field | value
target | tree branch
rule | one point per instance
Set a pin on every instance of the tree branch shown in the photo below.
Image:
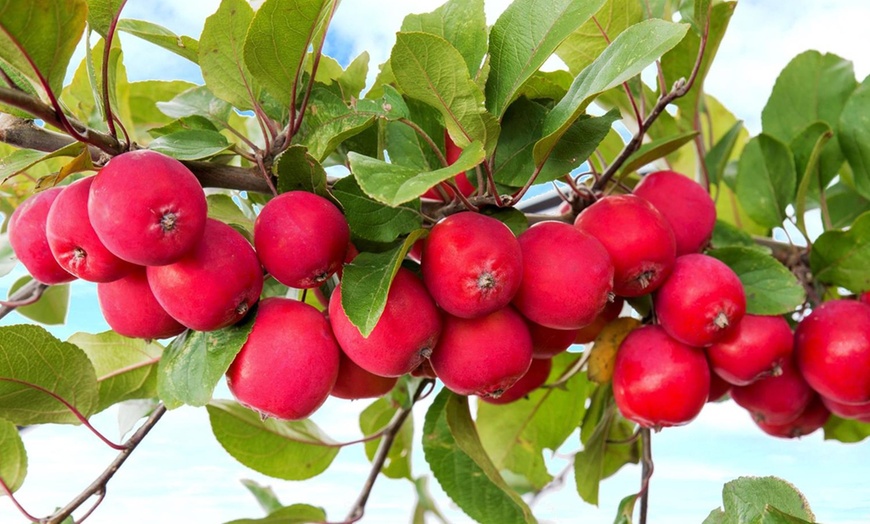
(98, 486)
(26, 134)
(25, 292)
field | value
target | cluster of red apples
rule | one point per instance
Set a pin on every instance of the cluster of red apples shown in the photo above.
(485, 314)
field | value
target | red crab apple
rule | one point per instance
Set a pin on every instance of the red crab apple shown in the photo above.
(755, 348)
(289, 363)
(718, 388)
(301, 239)
(659, 381)
(813, 417)
(865, 297)
(473, 264)
(549, 342)
(776, 399)
(610, 312)
(859, 412)
(354, 382)
(483, 356)
(567, 276)
(147, 208)
(638, 239)
(29, 242)
(213, 286)
(130, 309)
(534, 378)
(832, 345)
(404, 335)
(73, 241)
(688, 209)
(701, 301)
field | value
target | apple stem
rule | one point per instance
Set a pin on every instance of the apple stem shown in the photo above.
(721, 320)
(646, 472)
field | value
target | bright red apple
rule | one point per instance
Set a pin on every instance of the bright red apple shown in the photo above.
(27, 237)
(130, 309)
(754, 349)
(534, 378)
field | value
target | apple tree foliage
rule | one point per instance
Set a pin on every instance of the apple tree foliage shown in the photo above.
(275, 114)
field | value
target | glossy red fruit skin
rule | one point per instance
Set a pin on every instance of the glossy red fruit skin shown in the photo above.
(289, 363)
(832, 345)
(354, 383)
(549, 342)
(567, 276)
(130, 309)
(850, 411)
(865, 297)
(813, 418)
(718, 388)
(688, 209)
(405, 334)
(147, 208)
(483, 356)
(215, 285)
(610, 313)
(659, 381)
(301, 239)
(754, 349)
(638, 239)
(473, 264)
(29, 242)
(534, 378)
(73, 241)
(701, 301)
(775, 400)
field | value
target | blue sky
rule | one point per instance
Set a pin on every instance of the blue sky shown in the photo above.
(180, 473)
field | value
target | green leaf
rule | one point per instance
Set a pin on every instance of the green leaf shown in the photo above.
(329, 122)
(187, 123)
(197, 101)
(717, 516)
(366, 282)
(37, 371)
(125, 367)
(372, 220)
(807, 150)
(192, 144)
(101, 13)
(375, 418)
(625, 510)
(462, 467)
(628, 54)
(298, 171)
(460, 22)
(8, 260)
(745, 499)
(23, 159)
(289, 450)
(845, 205)
(52, 306)
(264, 495)
(45, 30)
(294, 514)
(221, 54)
(394, 185)
(277, 43)
(514, 160)
(652, 151)
(513, 218)
(812, 87)
(13, 467)
(183, 46)
(406, 147)
(523, 38)
(717, 158)
(143, 99)
(427, 68)
(771, 289)
(515, 435)
(845, 430)
(222, 207)
(680, 61)
(195, 361)
(854, 133)
(546, 85)
(584, 45)
(353, 79)
(840, 257)
(771, 515)
(726, 235)
(766, 180)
